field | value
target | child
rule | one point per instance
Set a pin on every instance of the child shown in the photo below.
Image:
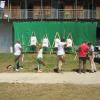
(60, 54)
(18, 56)
(40, 57)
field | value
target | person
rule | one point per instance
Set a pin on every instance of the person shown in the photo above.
(40, 57)
(91, 56)
(82, 53)
(45, 44)
(33, 42)
(18, 55)
(56, 41)
(60, 54)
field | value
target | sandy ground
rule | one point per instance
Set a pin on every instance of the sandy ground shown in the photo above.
(51, 78)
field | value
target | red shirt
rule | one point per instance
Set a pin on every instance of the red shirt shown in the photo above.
(83, 50)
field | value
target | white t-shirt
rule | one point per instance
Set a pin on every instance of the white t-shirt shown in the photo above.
(45, 42)
(57, 40)
(91, 51)
(61, 48)
(2, 4)
(91, 48)
(40, 53)
(69, 42)
(17, 49)
(33, 40)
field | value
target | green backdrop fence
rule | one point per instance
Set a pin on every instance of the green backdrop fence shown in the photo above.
(80, 31)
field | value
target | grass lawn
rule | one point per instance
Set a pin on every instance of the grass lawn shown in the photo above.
(49, 92)
(30, 62)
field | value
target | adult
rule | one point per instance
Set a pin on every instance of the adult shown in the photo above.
(91, 56)
(18, 55)
(82, 53)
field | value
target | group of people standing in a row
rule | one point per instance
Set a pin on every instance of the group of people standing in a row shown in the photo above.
(84, 52)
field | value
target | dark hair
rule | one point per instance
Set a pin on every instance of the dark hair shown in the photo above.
(89, 43)
(17, 41)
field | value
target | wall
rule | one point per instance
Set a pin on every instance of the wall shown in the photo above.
(5, 37)
(98, 12)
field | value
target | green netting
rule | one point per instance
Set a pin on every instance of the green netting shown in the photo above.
(80, 31)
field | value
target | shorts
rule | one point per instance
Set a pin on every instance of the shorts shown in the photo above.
(60, 53)
(39, 60)
(17, 57)
(83, 59)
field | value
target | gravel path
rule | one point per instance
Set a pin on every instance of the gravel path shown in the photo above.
(51, 78)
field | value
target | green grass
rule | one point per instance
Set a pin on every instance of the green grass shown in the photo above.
(49, 92)
(30, 62)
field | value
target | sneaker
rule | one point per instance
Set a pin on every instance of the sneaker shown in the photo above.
(83, 71)
(95, 71)
(9, 66)
(60, 71)
(17, 70)
(21, 67)
(79, 72)
(39, 71)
